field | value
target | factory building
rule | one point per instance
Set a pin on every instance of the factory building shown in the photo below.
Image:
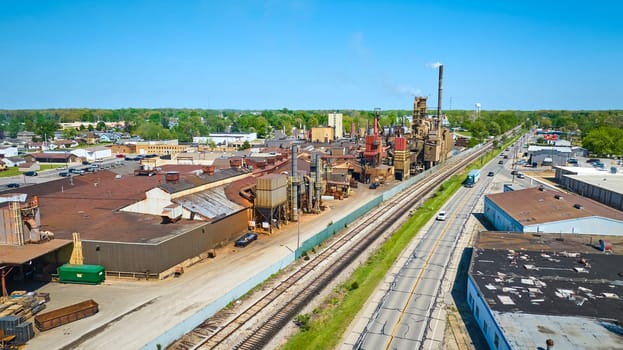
(603, 186)
(542, 210)
(532, 291)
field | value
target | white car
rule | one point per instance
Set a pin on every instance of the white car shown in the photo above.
(441, 216)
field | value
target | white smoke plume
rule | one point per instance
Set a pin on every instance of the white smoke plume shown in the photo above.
(435, 65)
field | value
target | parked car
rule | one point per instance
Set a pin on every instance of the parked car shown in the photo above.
(441, 216)
(76, 171)
(13, 185)
(500, 162)
(520, 175)
(64, 174)
(31, 173)
(245, 239)
(491, 173)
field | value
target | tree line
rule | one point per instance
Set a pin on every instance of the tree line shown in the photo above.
(184, 124)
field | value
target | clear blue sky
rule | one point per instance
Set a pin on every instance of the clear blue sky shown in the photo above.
(310, 54)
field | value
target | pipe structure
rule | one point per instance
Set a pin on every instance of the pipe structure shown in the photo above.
(317, 184)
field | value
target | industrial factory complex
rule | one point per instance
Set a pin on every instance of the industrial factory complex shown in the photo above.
(148, 218)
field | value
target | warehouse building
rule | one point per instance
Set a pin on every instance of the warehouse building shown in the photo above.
(604, 186)
(541, 291)
(542, 210)
(145, 225)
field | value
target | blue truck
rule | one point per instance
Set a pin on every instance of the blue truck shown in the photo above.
(472, 177)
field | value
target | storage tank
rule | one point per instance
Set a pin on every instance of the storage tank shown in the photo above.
(271, 191)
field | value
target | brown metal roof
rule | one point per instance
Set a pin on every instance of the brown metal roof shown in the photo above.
(18, 255)
(581, 243)
(90, 206)
(533, 206)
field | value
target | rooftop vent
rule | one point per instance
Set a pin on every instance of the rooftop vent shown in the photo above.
(578, 206)
(559, 197)
(172, 176)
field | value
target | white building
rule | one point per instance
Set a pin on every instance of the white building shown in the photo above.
(225, 139)
(9, 151)
(93, 153)
(335, 121)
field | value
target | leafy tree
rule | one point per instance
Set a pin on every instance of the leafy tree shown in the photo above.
(14, 127)
(604, 141)
(44, 128)
(153, 131)
(245, 145)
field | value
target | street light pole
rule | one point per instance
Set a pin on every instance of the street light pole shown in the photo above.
(298, 230)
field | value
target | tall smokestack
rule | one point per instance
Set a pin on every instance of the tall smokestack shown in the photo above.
(295, 185)
(439, 94)
(376, 121)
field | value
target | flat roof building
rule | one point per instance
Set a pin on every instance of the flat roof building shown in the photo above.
(602, 185)
(543, 210)
(525, 290)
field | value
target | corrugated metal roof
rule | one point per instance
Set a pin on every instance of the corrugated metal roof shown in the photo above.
(212, 203)
(533, 206)
(18, 255)
(189, 181)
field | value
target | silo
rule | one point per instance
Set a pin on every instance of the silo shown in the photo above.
(271, 198)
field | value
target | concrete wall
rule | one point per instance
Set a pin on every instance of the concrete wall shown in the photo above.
(484, 317)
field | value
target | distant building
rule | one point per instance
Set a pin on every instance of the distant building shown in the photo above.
(335, 121)
(553, 155)
(546, 291)
(225, 139)
(8, 151)
(93, 153)
(602, 185)
(323, 134)
(25, 136)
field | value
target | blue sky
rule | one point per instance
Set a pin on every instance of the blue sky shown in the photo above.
(503, 54)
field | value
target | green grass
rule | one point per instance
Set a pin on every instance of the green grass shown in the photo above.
(14, 171)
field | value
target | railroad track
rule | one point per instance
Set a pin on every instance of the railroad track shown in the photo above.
(209, 336)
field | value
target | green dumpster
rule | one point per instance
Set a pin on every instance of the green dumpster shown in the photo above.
(88, 274)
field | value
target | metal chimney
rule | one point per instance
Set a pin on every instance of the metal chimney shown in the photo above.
(295, 185)
(317, 183)
(439, 93)
(550, 344)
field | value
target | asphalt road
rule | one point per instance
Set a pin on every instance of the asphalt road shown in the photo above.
(403, 316)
